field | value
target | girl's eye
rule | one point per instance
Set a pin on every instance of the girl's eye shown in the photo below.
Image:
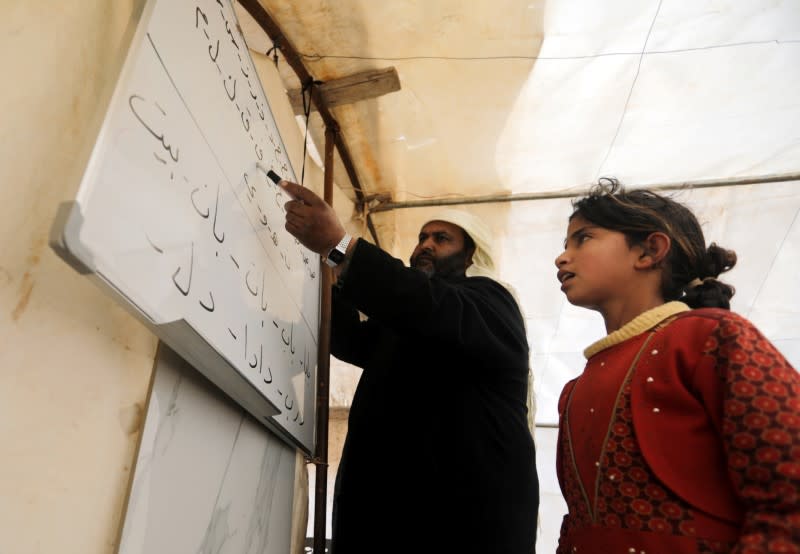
(580, 239)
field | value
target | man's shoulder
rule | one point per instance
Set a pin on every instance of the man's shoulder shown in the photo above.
(491, 289)
(480, 282)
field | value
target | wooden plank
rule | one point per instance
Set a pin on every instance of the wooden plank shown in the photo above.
(353, 88)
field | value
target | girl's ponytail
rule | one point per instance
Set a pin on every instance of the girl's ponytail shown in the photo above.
(706, 291)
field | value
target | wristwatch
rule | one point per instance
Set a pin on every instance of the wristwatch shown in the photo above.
(337, 253)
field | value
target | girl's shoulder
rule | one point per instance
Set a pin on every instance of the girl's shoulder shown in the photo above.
(714, 316)
(723, 334)
(706, 330)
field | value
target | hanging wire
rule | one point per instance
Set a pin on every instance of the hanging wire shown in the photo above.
(305, 93)
(274, 52)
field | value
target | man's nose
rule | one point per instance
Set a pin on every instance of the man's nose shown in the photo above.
(427, 245)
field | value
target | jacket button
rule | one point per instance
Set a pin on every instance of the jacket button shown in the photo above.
(656, 410)
(650, 379)
(654, 352)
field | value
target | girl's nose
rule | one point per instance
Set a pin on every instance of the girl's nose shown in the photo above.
(561, 259)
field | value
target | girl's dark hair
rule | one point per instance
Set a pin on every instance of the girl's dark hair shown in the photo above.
(637, 214)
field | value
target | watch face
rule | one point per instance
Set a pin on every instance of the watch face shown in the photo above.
(336, 256)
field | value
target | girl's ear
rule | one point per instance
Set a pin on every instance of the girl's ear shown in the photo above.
(654, 250)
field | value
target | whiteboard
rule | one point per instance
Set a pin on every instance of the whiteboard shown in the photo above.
(175, 219)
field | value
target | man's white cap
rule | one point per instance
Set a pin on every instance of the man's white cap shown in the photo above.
(483, 259)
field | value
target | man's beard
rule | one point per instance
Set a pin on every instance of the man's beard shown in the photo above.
(453, 265)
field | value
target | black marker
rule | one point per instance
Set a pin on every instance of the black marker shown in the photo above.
(274, 177)
(271, 174)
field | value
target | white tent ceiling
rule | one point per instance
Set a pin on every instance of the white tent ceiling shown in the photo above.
(526, 97)
(507, 96)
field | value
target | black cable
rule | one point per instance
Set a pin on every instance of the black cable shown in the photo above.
(274, 51)
(306, 111)
(318, 57)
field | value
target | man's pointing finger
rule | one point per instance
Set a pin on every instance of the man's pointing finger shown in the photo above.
(299, 193)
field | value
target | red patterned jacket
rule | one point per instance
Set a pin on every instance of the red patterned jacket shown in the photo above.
(683, 438)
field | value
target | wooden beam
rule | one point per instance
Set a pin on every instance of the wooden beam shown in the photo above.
(323, 372)
(353, 88)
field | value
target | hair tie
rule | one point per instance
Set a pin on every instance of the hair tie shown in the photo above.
(696, 282)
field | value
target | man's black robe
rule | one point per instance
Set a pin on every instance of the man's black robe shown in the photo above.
(438, 455)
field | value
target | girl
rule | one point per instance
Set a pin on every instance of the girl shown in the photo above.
(682, 434)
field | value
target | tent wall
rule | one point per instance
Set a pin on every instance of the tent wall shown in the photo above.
(74, 367)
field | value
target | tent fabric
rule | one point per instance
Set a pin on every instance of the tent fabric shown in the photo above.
(534, 97)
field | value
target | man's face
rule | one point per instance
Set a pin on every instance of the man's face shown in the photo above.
(441, 250)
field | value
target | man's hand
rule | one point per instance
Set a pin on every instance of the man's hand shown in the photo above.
(310, 220)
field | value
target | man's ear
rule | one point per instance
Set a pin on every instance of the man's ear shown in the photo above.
(654, 250)
(470, 252)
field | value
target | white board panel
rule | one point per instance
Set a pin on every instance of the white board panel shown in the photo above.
(175, 219)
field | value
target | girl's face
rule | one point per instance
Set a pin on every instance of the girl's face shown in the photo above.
(596, 268)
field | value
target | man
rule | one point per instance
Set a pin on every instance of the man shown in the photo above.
(438, 455)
